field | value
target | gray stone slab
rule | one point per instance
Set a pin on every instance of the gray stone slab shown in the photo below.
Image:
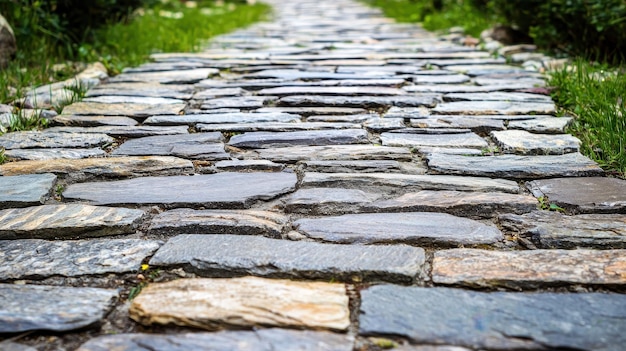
(335, 152)
(513, 166)
(328, 201)
(477, 125)
(407, 112)
(183, 92)
(233, 255)
(522, 142)
(93, 121)
(292, 74)
(426, 100)
(416, 228)
(547, 125)
(445, 150)
(217, 93)
(128, 110)
(341, 118)
(123, 131)
(243, 222)
(51, 154)
(249, 165)
(223, 118)
(463, 140)
(204, 145)
(522, 81)
(13, 346)
(495, 108)
(45, 140)
(117, 99)
(332, 90)
(68, 221)
(258, 340)
(274, 127)
(264, 140)
(40, 307)
(441, 79)
(314, 110)
(445, 88)
(500, 320)
(553, 230)
(497, 96)
(163, 66)
(240, 102)
(378, 124)
(166, 77)
(583, 195)
(221, 190)
(358, 166)
(32, 258)
(25, 190)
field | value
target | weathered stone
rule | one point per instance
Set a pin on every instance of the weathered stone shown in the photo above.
(69, 220)
(222, 190)
(378, 124)
(444, 88)
(206, 145)
(52, 154)
(249, 165)
(223, 118)
(500, 320)
(241, 102)
(243, 303)
(308, 111)
(101, 167)
(429, 348)
(163, 66)
(522, 81)
(266, 140)
(331, 90)
(553, 230)
(432, 131)
(485, 69)
(35, 140)
(117, 99)
(248, 222)
(275, 127)
(325, 201)
(13, 346)
(31, 258)
(166, 77)
(477, 125)
(123, 131)
(497, 96)
(408, 182)
(335, 152)
(464, 204)
(417, 228)
(513, 166)
(360, 166)
(583, 195)
(93, 121)
(39, 307)
(292, 74)
(257, 340)
(427, 100)
(182, 92)
(423, 150)
(463, 140)
(441, 79)
(128, 110)
(25, 190)
(525, 143)
(547, 125)
(217, 93)
(529, 269)
(341, 118)
(494, 108)
(407, 112)
(233, 255)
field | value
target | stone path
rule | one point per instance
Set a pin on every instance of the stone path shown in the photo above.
(329, 180)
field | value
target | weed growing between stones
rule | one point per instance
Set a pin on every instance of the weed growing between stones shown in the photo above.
(545, 204)
(144, 279)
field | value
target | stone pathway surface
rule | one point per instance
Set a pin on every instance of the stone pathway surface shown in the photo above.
(329, 180)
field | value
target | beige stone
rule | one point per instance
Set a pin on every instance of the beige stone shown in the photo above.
(243, 303)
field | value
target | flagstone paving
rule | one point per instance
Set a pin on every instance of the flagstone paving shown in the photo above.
(326, 180)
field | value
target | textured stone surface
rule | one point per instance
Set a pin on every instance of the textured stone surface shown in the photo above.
(265, 140)
(319, 90)
(525, 143)
(419, 228)
(13, 346)
(513, 166)
(497, 96)
(477, 125)
(494, 108)
(274, 127)
(196, 145)
(222, 190)
(102, 167)
(328, 200)
(25, 190)
(67, 220)
(528, 269)
(36, 307)
(462, 140)
(259, 340)
(502, 321)
(552, 230)
(171, 91)
(117, 99)
(223, 118)
(359, 166)
(33, 140)
(427, 100)
(125, 131)
(93, 121)
(314, 110)
(335, 152)
(583, 195)
(166, 77)
(52, 154)
(32, 258)
(128, 110)
(548, 125)
(243, 303)
(248, 222)
(233, 255)
(242, 102)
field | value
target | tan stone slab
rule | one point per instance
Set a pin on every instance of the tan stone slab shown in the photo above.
(129, 110)
(528, 269)
(247, 302)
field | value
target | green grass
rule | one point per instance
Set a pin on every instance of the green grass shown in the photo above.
(596, 96)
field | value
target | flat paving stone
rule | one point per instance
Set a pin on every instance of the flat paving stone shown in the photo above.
(497, 96)
(25, 190)
(52, 154)
(553, 230)
(223, 118)
(462, 140)
(189, 76)
(407, 112)
(32, 258)
(417, 228)
(494, 108)
(257, 340)
(39, 140)
(514, 166)
(234, 255)
(408, 182)
(546, 125)
(94, 121)
(522, 142)
(450, 88)
(117, 99)
(123, 131)
(240, 102)
(335, 152)
(332, 90)
(476, 125)
(217, 93)
(128, 110)
(275, 127)
(498, 320)
(529, 269)
(222, 190)
(246, 222)
(314, 110)
(243, 303)
(67, 220)
(441, 79)
(426, 100)
(39, 307)
(171, 91)
(583, 195)
(265, 140)
(328, 201)
(458, 203)
(360, 166)
(341, 118)
(249, 165)
(522, 81)
(378, 125)
(196, 145)
(292, 74)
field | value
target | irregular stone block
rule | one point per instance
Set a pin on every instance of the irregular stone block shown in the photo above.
(417, 228)
(223, 118)
(358, 166)
(378, 124)
(249, 165)
(547, 125)
(183, 92)
(426, 100)
(52, 154)
(313, 110)
(335, 152)
(243, 303)
(321, 90)
(265, 140)
(477, 125)
(495, 108)
(93, 121)
(497, 96)
(196, 145)
(441, 79)
(274, 127)
(445, 88)
(25, 190)
(189, 76)
(463, 140)
(235, 255)
(124, 131)
(499, 320)
(326, 201)
(240, 102)
(117, 99)
(525, 143)
(59, 309)
(583, 195)
(529, 269)
(45, 140)
(128, 110)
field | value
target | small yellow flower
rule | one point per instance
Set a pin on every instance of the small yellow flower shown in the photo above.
(145, 267)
